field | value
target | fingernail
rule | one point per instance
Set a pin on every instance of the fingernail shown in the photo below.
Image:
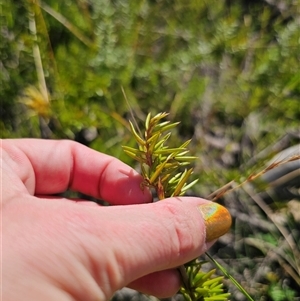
(217, 220)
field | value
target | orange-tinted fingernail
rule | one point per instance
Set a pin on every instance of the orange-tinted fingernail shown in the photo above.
(217, 220)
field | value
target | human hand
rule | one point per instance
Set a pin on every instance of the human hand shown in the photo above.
(61, 249)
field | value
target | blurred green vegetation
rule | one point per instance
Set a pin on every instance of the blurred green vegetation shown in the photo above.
(228, 70)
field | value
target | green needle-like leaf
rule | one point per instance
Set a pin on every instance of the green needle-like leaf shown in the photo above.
(153, 138)
(134, 156)
(212, 281)
(173, 151)
(222, 297)
(137, 137)
(162, 141)
(185, 158)
(182, 181)
(158, 170)
(188, 186)
(175, 178)
(132, 150)
(186, 143)
(147, 123)
(165, 126)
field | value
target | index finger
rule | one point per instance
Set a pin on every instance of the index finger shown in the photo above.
(58, 165)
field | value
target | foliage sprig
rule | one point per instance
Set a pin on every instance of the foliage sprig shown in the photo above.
(161, 166)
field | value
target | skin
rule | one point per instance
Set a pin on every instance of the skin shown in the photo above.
(60, 249)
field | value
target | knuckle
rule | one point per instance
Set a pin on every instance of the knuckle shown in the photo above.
(182, 228)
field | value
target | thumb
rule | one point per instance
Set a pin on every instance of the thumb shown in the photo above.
(138, 240)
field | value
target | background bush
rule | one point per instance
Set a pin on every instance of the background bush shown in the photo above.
(228, 70)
